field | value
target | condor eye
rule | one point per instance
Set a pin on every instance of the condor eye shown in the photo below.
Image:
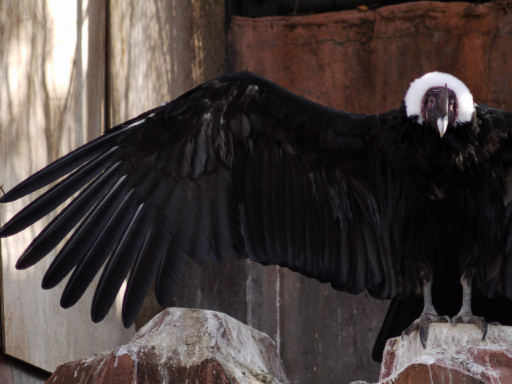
(431, 100)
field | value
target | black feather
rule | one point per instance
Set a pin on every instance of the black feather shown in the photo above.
(149, 257)
(120, 262)
(64, 165)
(223, 222)
(169, 273)
(268, 212)
(98, 253)
(145, 269)
(59, 193)
(201, 247)
(89, 229)
(60, 226)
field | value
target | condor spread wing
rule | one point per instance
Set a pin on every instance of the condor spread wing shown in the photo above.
(236, 167)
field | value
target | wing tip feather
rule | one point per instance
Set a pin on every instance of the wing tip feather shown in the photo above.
(22, 263)
(8, 197)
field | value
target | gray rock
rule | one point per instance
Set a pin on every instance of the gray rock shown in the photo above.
(184, 345)
(454, 354)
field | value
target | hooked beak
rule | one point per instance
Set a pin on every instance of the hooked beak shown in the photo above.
(442, 125)
(442, 121)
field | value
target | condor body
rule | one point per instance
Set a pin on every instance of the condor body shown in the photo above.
(408, 203)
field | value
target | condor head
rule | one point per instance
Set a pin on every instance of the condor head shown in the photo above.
(439, 100)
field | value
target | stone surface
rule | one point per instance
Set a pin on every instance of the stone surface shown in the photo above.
(183, 346)
(454, 354)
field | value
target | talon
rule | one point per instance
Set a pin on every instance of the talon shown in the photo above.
(480, 322)
(422, 324)
(423, 332)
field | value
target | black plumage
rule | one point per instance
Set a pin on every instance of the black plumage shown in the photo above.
(239, 167)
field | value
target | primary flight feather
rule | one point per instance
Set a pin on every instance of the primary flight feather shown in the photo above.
(403, 204)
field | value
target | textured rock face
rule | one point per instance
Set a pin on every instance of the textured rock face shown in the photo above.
(183, 346)
(454, 354)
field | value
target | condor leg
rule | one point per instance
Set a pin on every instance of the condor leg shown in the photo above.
(465, 314)
(428, 315)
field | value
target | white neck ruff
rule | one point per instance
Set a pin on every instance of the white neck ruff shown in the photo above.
(418, 88)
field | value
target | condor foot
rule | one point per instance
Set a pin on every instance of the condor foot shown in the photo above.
(469, 318)
(422, 323)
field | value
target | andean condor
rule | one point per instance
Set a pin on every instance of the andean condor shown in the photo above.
(401, 203)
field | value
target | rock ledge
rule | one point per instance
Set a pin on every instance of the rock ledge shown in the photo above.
(183, 345)
(454, 354)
